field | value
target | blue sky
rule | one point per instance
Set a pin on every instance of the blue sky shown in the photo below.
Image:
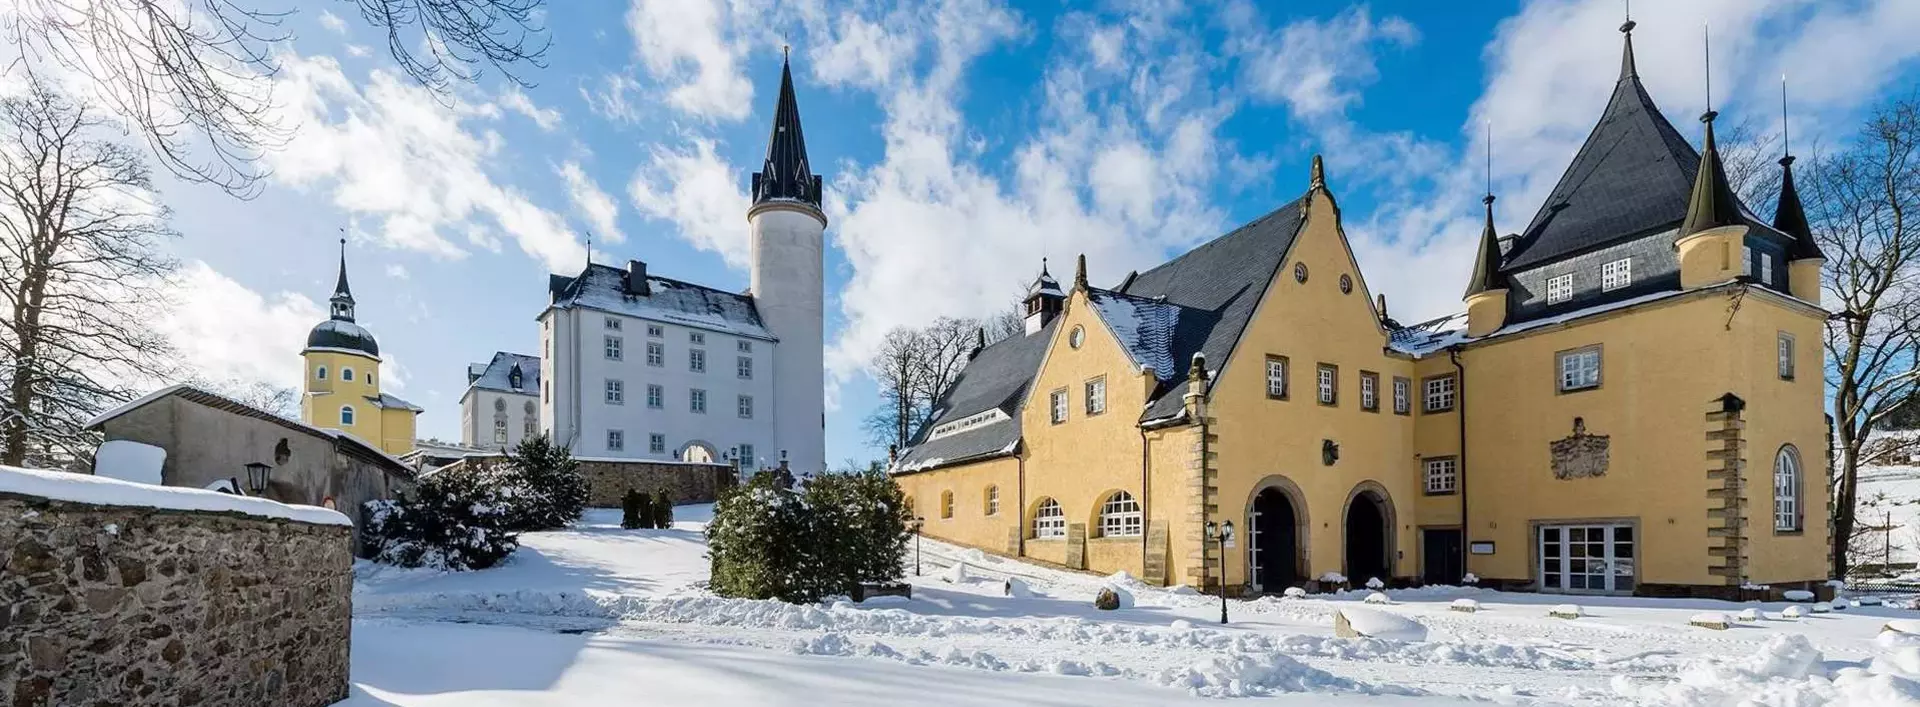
(961, 141)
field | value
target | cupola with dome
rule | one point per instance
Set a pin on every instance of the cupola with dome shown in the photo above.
(342, 378)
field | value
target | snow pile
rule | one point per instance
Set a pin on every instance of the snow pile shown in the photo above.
(1567, 611)
(1380, 624)
(1470, 578)
(1792, 612)
(1124, 595)
(957, 574)
(1788, 670)
(1464, 605)
(1378, 598)
(100, 491)
(1822, 607)
(1375, 584)
(1333, 578)
(1711, 619)
(1295, 593)
(1017, 588)
(1750, 614)
(1256, 676)
(1909, 627)
(128, 460)
(1182, 624)
(1797, 595)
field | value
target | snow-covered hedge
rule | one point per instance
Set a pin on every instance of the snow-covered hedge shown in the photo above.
(768, 541)
(451, 522)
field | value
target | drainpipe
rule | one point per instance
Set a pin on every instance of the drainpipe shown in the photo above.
(1020, 512)
(1460, 395)
(1146, 501)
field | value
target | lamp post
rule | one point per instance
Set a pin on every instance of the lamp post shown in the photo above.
(1222, 533)
(917, 522)
(257, 476)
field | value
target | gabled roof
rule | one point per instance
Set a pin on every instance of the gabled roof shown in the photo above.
(496, 375)
(1144, 326)
(344, 442)
(996, 379)
(671, 301)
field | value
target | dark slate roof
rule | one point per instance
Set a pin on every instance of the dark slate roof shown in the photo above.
(1217, 286)
(1486, 264)
(1713, 203)
(671, 301)
(384, 400)
(343, 334)
(1145, 327)
(786, 175)
(995, 379)
(496, 374)
(1790, 217)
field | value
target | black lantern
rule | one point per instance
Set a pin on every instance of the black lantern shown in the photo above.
(1223, 534)
(257, 473)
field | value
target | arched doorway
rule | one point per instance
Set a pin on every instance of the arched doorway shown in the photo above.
(1275, 534)
(1369, 534)
(697, 451)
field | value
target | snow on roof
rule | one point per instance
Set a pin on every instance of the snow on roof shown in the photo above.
(603, 287)
(493, 375)
(209, 399)
(1429, 336)
(101, 491)
(1144, 326)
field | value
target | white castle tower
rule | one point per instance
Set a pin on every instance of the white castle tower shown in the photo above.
(788, 232)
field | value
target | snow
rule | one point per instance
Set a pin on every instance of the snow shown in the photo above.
(1380, 624)
(1378, 598)
(1750, 614)
(1797, 595)
(1464, 604)
(957, 574)
(595, 615)
(1295, 593)
(1822, 607)
(1907, 626)
(128, 460)
(1710, 618)
(1568, 611)
(1792, 612)
(102, 491)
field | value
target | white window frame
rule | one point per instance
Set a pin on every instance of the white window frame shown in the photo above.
(613, 348)
(656, 331)
(1096, 393)
(743, 368)
(346, 374)
(656, 396)
(1326, 379)
(1579, 369)
(500, 430)
(1120, 516)
(616, 441)
(656, 354)
(1369, 391)
(320, 373)
(698, 338)
(1559, 288)
(1766, 268)
(656, 443)
(1746, 260)
(1277, 377)
(697, 360)
(1784, 356)
(612, 323)
(1612, 566)
(616, 392)
(1057, 406)
(1402, 396)
(746, 454)
(993, 500)
(1439, 393)
(346, 415)
(743, 346)
(697, 401)
(1787, 484)
(1049, 520)
(1616, 274)
(1442, 475)
(743, 406)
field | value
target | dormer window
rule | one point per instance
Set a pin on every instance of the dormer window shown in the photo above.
(1560, 289)
(1616, 274)
(514, 379)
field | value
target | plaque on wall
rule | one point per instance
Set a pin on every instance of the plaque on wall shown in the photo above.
(1481, 547)
(1579, 455)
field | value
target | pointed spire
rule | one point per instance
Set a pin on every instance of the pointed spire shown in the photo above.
(1080, 274)
(1486, 262)
(1713, 203)
(1317, 179)
(1627, 68)
(1790, 217)
(342, 300)
(786, 174)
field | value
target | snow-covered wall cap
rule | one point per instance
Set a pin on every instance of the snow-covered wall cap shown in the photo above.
(99, 491)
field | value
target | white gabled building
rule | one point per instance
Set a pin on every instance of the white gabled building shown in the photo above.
(639, 366)
(501, 406)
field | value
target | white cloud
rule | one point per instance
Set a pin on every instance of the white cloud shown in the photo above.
(332, 22)
(1316, 67)
(515, 100)
(699, 193)
(397, 271)
(228, 331)
(356, 50)
(594, 205)
(691, 46)
(389, 149)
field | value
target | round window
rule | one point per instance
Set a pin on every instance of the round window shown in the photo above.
(1299, 272)
(1346, 284)
(1077, 337)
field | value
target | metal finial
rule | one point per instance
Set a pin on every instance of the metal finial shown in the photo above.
(1786, 146)
(1706, 44)
(1489, 161)
(1627, 27)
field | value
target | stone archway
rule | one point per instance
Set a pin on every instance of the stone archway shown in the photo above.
(1276, 532)
(697, 451)
(1368, 524)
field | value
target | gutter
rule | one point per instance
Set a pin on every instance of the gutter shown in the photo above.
(1146, 501)
(1020, 511)
(1460, 473)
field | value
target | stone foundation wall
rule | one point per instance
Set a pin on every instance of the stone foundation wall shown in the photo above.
(608, 481)
(109, 605)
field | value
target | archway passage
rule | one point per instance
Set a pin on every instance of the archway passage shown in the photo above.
(1275, 543)
(697, 452)
(1366, 539)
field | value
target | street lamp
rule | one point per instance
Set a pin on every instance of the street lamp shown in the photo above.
(257, 473)
(917, 522)
(1222, 533)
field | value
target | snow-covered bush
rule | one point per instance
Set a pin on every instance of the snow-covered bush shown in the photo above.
(768, 541)
(1294, 593)
(1749, 614)
(1375, 584)
(1711, 619)
(548, 491)
(860, 521)
(1355, 623)
(957, 574)
(636, 510)
(1797, 595)
(1792, 612)
(1467, 606)
(452, 522)
(1822, 607)
(1469, 579)
(1567, 611)
(1378, 598)
(1017, 588)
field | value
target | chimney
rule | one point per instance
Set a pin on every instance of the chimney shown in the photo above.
(1382, 305)
(979, 343)
(637, 278)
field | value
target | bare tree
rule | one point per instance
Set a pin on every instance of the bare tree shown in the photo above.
(194, 77)
(280, 400)
(80, 270)
(915, 367)
(1860, 203)
(1750, 157)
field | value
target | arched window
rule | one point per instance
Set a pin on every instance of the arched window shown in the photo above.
(1048, 520)
(1120, 516)
(993, 500)
(499, 404)
(1786, 489)
(946, 504)
(346, 414)
(500, 430)
(320, 373)
(346, 374)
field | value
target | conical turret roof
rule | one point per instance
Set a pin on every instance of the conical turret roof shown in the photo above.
(1712, 203)
(1486, 265)
(786, 174)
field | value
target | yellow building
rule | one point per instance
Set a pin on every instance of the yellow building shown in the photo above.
(1632, 402)
(343, 379)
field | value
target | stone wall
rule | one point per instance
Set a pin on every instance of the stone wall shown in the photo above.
(608, 481)
(108, 605)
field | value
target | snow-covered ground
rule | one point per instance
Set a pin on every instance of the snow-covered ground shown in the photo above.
(599, 615)
(1890, 497)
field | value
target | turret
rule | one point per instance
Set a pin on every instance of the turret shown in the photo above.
(1486, 295)
(1044, 300)
(1713, 236)
(1804, 258)
(342, 300)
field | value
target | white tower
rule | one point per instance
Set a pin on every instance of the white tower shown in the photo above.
(788, 233)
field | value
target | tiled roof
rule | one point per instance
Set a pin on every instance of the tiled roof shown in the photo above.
(351, 445)
(997, 379)
(495, 374)
(384, 400)
(604, 288)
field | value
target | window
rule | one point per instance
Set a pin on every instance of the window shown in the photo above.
(1048, 520)
(743, 346)
(1277, 377)
(1786, 489)
(1443, 475)
(320, 373)
(655, 331)
(1097, 396)
(946, 504)
(531, 427)
(1746, 260)
(346, 374)
(697, 360)
(1586, 558)
(616, 440)
(657, 443)
(614, 348)
(1579, 369)
(369, 377)
(744, 406)
(1560, 289)
(1766, 267)
(1369, 391)
(616, 392)
(1058, 406)
(546, 394)
(743, 367)
(694, 337)
(346, 415)
(1439, 393)
(1120, 516)
(1402, 396)
(697, 401)
(612, 324)
(993, 500)
(1616, 274)
(1077, 337)
(656, 354)
(1327, 378)
(500, 430)
(747, 457)
(656, 396)
(1785, 356)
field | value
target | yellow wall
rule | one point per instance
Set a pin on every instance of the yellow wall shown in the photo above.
(390, 429)
(970, 524)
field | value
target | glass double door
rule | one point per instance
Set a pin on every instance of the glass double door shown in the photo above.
(1587, 558)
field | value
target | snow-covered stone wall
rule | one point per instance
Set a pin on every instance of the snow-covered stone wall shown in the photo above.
(116, 601)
